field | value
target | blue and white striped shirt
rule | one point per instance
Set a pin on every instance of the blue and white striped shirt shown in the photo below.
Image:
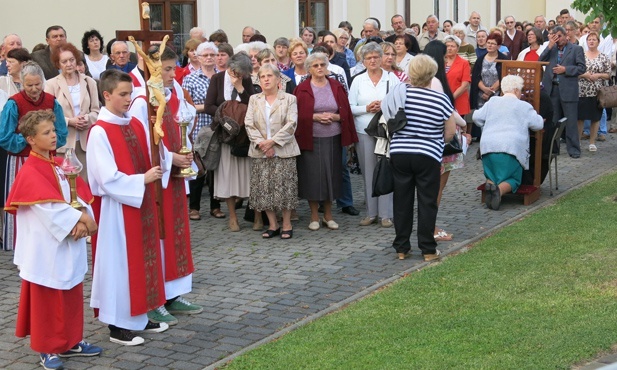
(426, 111)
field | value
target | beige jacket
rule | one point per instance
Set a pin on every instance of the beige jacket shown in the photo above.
(283, 122)
(89, 105)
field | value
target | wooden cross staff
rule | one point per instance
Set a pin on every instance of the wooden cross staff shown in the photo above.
(147, 36)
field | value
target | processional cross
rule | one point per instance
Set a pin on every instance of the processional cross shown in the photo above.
(153, 76)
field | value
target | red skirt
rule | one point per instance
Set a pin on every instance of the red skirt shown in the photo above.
(53, 318)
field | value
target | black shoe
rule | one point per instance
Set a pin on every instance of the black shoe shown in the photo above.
(155, 327)
(496, 198)
(351, 210)
(124, 337)
(489, 188)
(320, 209)
(575, 156)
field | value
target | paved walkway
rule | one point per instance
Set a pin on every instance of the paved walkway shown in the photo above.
(253, 289)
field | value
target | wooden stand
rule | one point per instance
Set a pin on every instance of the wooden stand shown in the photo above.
(531, 72)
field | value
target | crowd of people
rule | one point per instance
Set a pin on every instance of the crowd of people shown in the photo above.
(276, 123)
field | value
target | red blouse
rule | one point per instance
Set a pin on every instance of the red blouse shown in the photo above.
(458, 73)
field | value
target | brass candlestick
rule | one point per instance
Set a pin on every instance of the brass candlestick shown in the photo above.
(71, 166)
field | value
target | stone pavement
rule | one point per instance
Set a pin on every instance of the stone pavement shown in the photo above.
(254, 289)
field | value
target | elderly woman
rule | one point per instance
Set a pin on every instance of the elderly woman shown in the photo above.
(341, 46)
(271, 120)
(30, 98)
(401, 45)
(505, 139)
(597, 75)
(252, 49)
(196, 84)
(232, 177)
(325, 126)
(388, 62)
(415, 155)
(309, 37)
(267, 56)
(465, 49)
(92, 45)
(298, 52)
(365, 95)
(193, 64)
(78, 96)
(535, 48)
(11, 83)
(458, 74)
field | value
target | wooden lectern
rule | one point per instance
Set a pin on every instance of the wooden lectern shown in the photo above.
(531, 72)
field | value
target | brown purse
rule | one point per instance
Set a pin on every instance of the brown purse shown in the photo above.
(607, 96)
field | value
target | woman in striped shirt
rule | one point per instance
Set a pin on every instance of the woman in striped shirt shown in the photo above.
(415, 155)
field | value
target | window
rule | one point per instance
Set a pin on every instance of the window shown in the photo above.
(176, 15)
(313, 13)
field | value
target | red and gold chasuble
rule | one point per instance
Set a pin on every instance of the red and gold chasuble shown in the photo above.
(146, 286)
(177, 242)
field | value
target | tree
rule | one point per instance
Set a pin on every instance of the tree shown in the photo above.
(595, 8)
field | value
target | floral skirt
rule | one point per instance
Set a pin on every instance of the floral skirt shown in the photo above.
(274, 184)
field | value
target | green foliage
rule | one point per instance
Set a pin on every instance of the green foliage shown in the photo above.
(595, 8)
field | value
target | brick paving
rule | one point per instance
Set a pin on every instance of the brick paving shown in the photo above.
(254, 289)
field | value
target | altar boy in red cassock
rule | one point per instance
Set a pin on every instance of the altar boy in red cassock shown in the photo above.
(127, 279)
(51, 248)
(177, 257)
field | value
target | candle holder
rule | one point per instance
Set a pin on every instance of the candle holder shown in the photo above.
(184, 117)
(71, 166)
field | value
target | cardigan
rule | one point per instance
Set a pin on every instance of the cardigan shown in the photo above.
(216, 92)
(306, 103)
(476, 77)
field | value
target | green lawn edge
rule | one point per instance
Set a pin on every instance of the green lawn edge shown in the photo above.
(538, 294)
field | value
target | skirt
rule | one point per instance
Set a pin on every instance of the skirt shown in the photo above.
(320, 171)
(53, 318)
(233, 176)
(274, 182)
(502, 167)
(588, 109)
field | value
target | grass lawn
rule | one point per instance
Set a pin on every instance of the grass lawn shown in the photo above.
(539, 294)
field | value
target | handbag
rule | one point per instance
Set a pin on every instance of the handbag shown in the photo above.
(453, 147)
(397, 122)
(383, 180)
(607, 96)
(375, 127)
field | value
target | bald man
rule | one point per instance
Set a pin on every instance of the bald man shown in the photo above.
(10, 42)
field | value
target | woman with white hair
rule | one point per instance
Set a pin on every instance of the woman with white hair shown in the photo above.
(506, 121)
(341, 46)
(465, 49)
(30, 98)
(252, 49)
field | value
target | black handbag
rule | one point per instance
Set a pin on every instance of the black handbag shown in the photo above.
(383, 179)
(374, 129)
(397, 122)
(453, 147)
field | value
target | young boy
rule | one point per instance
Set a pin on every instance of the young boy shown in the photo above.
(177, 257)
(50, 248)
(127, 279)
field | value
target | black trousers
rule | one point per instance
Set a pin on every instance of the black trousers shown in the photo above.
(195, 188)
(415, 173)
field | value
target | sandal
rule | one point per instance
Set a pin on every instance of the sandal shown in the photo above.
(271, 233)
(442, 236)
(217, 213)
(287, 234)
(194, 215)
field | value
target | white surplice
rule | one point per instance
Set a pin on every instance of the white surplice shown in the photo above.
(139, 109)
(110, 282)
(45, 251)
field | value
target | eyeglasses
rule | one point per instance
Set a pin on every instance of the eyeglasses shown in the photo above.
(208, 55)
(121, 52)
(319, 65)
(491, 43)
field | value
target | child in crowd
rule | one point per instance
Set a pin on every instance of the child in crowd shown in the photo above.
(128, 277)
(50, 248)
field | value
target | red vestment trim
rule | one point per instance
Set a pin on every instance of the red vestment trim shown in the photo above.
(177, 242)
(37, 182)
(146, 286)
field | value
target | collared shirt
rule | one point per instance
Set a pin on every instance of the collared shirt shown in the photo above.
(197, 84)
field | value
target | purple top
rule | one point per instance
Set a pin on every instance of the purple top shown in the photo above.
(325, 102)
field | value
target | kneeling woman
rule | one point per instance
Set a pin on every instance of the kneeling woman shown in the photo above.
(271, 120)
(505, 139)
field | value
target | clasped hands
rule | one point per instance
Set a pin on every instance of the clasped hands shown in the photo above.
(373, 107)
(86, 226)
(325, 118)
(267, 148)
(80, 122)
